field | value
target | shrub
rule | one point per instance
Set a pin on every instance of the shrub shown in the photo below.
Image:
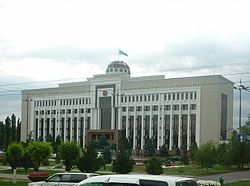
(154, 166)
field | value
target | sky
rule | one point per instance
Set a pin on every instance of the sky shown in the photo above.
(46, 42)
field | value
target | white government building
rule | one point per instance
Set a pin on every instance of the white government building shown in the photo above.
(176, 112)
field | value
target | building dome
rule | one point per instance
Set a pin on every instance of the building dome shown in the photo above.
(118, 67)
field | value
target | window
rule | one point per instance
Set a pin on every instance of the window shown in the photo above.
(167, 107)
(184, 107)
(88, 110)
(55, 178)
(173, 96)
(124, 109)
(147, 108)
(187, 183)
(139, 108)
(175, 107)
(153, 183)
(131, 109)
(182, 96)
(191, 95)
(81, 111)
(193, 106)
(178, 96)
(155, 108)
(77, 177)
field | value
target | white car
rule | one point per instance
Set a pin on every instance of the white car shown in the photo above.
(139, 179)
(63, 179)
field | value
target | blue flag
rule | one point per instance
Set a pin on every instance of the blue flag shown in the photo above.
(122, 53)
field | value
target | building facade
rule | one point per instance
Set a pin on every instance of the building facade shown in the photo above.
(176, 112)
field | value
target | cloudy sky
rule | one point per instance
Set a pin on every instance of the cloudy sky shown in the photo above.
(46, 42)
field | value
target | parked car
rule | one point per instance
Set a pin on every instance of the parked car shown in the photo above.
(135, 180)
(63, 179)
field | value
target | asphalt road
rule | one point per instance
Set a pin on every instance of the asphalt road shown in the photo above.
(228, 177)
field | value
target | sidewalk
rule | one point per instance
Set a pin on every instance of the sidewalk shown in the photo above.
(10, 176)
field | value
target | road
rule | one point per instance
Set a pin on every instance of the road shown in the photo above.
(228, 177)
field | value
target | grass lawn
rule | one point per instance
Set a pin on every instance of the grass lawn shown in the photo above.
(7, 182)
(240, 183)
(187, 170)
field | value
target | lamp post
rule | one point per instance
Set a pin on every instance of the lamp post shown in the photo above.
(240, 87)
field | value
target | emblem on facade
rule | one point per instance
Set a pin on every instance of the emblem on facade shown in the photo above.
(105, 93)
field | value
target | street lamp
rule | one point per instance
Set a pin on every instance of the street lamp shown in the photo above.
(240, 87)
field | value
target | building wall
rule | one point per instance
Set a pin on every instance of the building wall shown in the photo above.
(138, 105)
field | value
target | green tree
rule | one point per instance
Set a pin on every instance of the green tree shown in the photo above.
(123, 164)
(149, 149)
(184, 156)
(154, 166)
(89, 162)
(14, 154)
(18, 130)
(2, 135)
(164, 151)
(223, 155)
(193, 150)
(39, 152)
(206, 155)
(102, 142)
(107, 155)
(237, 152)
(25, 161)
(69, 152)
(13, 127)
(7, 131)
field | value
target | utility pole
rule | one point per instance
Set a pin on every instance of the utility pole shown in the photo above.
(240, 87)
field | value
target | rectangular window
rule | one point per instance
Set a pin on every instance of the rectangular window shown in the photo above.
(178, 96)
(175, 107)
(131, 109)
(147, 108)
(169, 96)
(193, 106)
(124, 109)
(173, 96)
(184, 107)
(191, 95)
(155, 108)
(182, 96)
(81, 111)
(139, 108)
(167, 107)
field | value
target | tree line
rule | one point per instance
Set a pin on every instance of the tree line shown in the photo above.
(10, 131)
